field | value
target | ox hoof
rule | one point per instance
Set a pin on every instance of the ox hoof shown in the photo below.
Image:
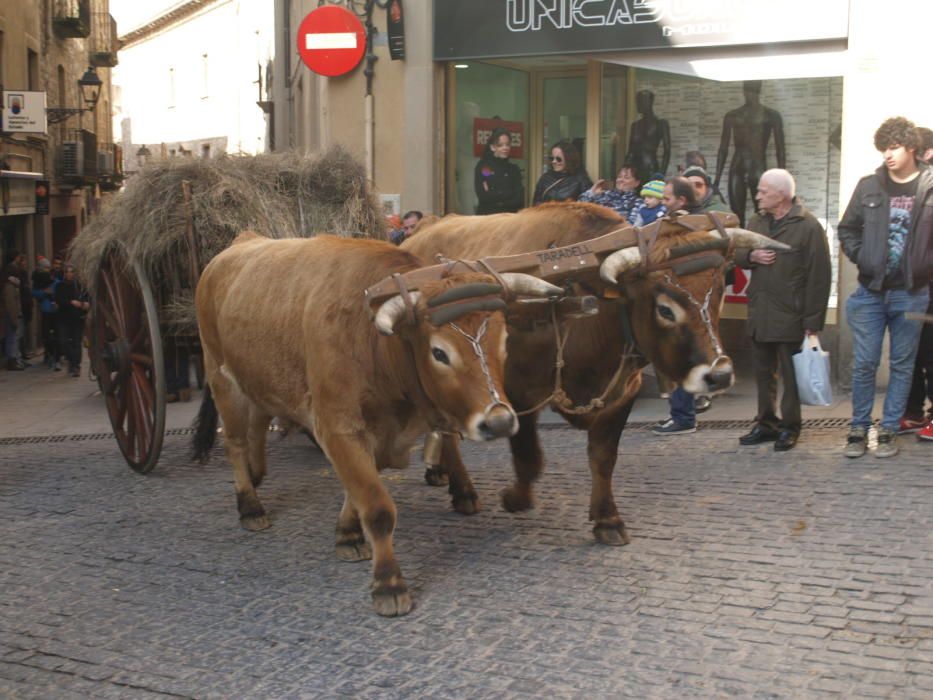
(255, 523)
(467, 504)
(353, 551)
(515, 500)
(392, 601)
(612, 534)
(436, 476)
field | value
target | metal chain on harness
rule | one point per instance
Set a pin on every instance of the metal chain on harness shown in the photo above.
(480, 353)
(704, 316)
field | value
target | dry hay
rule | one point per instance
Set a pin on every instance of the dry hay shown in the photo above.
(280, 195)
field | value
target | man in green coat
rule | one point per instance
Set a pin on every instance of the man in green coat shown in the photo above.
(787, 299)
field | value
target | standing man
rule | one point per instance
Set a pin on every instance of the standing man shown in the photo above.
(73, 305)
(12, 283)
(886, 232)
(787, 299)
(703, 186)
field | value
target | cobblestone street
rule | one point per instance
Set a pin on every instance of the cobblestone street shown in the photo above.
(750, 574)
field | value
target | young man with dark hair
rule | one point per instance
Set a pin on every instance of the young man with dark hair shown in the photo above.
(886, 232)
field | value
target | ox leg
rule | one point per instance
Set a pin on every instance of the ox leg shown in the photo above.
(234, 408)
(528, 460)
(351, 543)
(256, 439)
(603, 449)
(463, 496)
(357, 471)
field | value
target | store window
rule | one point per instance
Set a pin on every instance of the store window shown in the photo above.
(486, 96)
(563, 114)
(613, 122)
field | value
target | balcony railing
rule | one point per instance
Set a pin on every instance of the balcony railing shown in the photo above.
(71, 19)
(104, 42)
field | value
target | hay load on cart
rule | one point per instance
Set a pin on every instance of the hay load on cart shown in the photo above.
(142, 256)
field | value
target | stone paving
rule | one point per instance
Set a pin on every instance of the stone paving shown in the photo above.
(750, 575)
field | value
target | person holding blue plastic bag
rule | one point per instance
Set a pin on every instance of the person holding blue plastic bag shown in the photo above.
(787, 299)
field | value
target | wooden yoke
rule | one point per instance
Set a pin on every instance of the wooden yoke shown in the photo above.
(562, 266)
(555, 265)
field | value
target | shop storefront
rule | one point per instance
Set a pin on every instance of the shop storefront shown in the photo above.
(646, 82)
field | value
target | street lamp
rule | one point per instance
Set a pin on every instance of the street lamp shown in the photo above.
(142, 155)
(90, 85)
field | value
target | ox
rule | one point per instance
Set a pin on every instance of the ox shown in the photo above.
(670, 315)
(285, 333)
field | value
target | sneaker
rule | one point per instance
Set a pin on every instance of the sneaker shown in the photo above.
(887, 443)
(910, 425)
(927, 432)
(856, 442)
(671, 427)
(702, 403)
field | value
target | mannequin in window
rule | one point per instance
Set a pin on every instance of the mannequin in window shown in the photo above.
(750, 128)
(647, 134)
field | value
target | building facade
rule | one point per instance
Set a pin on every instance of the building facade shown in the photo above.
(568, 70)
(48, 46)
(190, 78)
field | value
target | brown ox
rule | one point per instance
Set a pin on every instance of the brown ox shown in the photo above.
(664, 310)
(285, 333)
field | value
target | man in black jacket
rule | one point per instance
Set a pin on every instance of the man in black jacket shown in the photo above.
(73, 305)
(787, 300)
(886, 232)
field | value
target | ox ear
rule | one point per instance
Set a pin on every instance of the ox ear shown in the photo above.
(749, 239)
(619, 263)
(392, 311)
(520, 284)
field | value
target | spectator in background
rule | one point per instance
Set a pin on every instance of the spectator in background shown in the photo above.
(921, 388)
(679, 196)
(410, 220)
(787, 299)
(58, 267)
(73, 305)
(496, 180)
(703, 185)
(43, 291)
(565, 179)
(652, 209)
(624, 197)
(887, 231)
(13, 264)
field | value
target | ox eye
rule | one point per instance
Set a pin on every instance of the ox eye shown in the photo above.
(440, 356)
(666, 313)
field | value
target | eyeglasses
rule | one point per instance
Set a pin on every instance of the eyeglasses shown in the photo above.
(556, 159)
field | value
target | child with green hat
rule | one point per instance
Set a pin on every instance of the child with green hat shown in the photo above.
(652, 209)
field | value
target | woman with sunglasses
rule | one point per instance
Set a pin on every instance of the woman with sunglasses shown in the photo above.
(565, 179)
(496, 180)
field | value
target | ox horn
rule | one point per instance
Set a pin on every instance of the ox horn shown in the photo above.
(749, 239)
(392, 311)
(529, 285)
(618, 263)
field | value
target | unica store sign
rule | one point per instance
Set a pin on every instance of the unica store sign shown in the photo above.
(497, 28)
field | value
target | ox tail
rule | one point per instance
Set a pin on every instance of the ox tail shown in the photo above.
(205, 428)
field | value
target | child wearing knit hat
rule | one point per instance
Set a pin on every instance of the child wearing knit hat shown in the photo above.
(652, 209)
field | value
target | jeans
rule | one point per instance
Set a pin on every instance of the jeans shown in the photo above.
(69, 338)
(683, 407)
(11, 337)
(869, 314)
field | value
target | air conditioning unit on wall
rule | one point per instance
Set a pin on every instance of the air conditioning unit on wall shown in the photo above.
(72, 159)
(104, 163)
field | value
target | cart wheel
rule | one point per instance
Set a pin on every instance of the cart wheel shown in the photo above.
(127, 359)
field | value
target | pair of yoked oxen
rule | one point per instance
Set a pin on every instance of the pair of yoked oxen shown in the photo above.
(286, 333)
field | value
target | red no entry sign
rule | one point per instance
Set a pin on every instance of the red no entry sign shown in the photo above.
(331, 40)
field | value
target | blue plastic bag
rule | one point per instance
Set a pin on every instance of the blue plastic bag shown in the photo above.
(811, 365)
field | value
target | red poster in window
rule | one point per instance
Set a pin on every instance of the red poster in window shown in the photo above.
(483, 127)
(738, 292)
